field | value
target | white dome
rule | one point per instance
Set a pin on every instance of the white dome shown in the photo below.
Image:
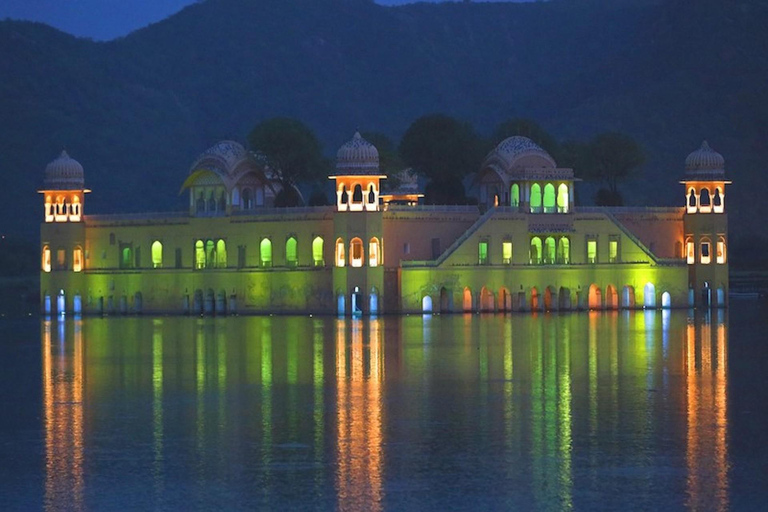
(515, 148)
(705, 160)
(357, 157)
(64, 173)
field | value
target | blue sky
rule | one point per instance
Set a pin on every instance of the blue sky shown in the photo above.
(105, 19)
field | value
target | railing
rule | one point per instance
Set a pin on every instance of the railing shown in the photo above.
(629, 209)
(113, 217)
(472, 229)
(294, 210)
(461, 208)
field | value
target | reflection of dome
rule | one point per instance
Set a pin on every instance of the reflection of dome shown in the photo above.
(357, 156)
(705, 160)
(64, 173)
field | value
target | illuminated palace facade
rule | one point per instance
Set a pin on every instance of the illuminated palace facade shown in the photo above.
(524, 247)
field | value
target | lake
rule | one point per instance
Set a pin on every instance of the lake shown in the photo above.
(588, 411)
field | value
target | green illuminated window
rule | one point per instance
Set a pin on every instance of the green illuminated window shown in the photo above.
(157, 254)
(535, 198)
(265, 250)
(126, 256)
(482, 253)
(199, 255)
(514, 195)
(613, 251)
(317, 251)
(210, 254)
(221, 254)
(549, 198)
(506, 252)
(535, 258)
(591, 251)
(562, 198)
(291, 252)
(549, 250)
(564, 250)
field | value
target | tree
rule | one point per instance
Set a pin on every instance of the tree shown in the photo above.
(611, 159)
(526, 128)
(389, 158)
(292, 152)
(444, 150)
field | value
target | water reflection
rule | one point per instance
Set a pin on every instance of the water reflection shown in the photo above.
(446, 411)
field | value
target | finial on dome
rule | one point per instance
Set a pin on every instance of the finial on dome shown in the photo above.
(357, 135)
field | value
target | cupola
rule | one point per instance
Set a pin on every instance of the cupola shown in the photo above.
(64, 189)
(357, 175)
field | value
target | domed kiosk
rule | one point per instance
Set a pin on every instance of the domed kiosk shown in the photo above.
(64, 189)
(357, 176)
(520, 174)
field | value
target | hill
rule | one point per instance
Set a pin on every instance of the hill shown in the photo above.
(137, 110)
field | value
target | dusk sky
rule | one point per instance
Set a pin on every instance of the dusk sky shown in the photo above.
(104, 19)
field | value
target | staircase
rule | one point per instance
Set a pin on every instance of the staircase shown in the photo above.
(631, 236)
(463, 238)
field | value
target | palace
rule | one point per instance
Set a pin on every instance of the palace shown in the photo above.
(524, 247)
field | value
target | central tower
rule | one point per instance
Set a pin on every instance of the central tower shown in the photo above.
(358, 271)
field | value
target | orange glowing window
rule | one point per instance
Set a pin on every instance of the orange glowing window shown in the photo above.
(77, 259)
(706, 256)
(340, 255)
(721, 256)
(373, 252)
(46, 264)
(356, 252)
(690, 252)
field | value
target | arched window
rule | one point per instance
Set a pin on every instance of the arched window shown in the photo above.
(549, 198)
(48, 209)
(210, 254)
(514, 195)
(222, 201)
(717, 201)
(126, 258)
(46, 263)
(157, 254)
(371, 195)
(77, 259)
(426, 304)
(691, 201)
(535, 198)
(690, 251)
(265, 252)
(562, 198)
(549, 250)
(247, 199)
(75, 209)
(705, 205)
(341, 258)
(357, 195)
(211, 202)
(221, 254)
(199, 255)
(373, 252)
(649, 295)
(61, 209)
(317, 251)
(564, 250)
(705, 251)
(721, 251)
(291, 252)
(344, 195)
(200, 203)
(356, 252)
(535, 251)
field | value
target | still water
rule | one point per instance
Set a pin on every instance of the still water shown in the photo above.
(629, 410)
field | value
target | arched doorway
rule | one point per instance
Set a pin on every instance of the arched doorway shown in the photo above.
(564, 299)
(595, 297)
(649, 295)
(467, 300)
(550, 298)
(77, 304)
(611, 297)
(373, 302)
(357, 302)
(426, 304)
(486, 300)
(341, 306)
(445, 301)
(535, 299)
(505, 300)
(666, 300)
(628, 297)
(61, 303)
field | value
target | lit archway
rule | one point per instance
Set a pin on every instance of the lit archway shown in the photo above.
(649, 295)
(535, 299)
(535, 198)
(356, 256)
(317, 251)
(291, 252)
(467, 300)
(373, 252)
(265, 252)
(549, 198)
(426, 304)
(611, 297)
(595, 297)
(666, 300)
(157, 254)
(340, 258)
(562, 198)
(628, 297)
(487, 302)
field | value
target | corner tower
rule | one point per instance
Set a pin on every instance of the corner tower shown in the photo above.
(62, 236)
(706, 227)
(358, 272)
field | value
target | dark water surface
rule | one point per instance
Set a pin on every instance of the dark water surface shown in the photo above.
(592, 411)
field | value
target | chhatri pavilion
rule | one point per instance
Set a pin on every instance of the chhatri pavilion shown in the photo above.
(524, 247)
